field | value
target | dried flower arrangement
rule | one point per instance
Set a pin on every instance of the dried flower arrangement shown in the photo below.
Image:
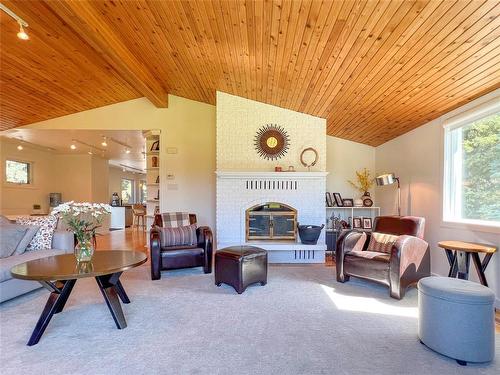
(364, 181)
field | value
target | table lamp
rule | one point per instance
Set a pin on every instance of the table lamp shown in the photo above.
(389, 179)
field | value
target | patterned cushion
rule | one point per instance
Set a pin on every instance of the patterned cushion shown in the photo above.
(175, 219)
(180, 236)
(43, 238)
(381, 242)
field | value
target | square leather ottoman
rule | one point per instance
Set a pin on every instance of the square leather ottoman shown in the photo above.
(241, 266)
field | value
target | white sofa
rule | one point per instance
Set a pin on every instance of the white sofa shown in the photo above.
(62, 242)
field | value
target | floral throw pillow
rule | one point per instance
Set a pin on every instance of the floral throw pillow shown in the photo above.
(43, 238)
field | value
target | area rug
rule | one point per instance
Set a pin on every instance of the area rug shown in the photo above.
(301, 322)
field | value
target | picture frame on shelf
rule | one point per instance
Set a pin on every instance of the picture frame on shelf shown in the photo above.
(357, 223)
(338, 199)
(367, 223)
(348, 202)
(329, 201)
(155, 146)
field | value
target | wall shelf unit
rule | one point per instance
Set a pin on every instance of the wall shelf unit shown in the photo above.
(348, 213)
(152, 175)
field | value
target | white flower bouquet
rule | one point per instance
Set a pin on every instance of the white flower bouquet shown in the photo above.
(83, 219)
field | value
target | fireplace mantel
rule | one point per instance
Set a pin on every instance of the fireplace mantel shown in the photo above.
(273, 175)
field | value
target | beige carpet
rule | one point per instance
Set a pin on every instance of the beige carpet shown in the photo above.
(301, 322)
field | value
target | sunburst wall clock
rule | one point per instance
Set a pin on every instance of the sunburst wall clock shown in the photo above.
(272, 142)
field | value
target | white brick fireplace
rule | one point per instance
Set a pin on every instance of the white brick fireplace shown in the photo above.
(304, 191)
(244, 178)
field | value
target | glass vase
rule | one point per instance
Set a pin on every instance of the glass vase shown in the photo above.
(84, 251)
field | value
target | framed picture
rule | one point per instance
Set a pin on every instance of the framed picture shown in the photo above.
(329, 201)
(338, 199)
(356, 223)
(348, 202)
(155, 146)
(367, 223)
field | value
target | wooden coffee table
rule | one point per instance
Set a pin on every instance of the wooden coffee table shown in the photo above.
(59, 274)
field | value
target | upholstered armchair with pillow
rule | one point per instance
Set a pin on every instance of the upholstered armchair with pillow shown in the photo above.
(176, 242)
(394, 254)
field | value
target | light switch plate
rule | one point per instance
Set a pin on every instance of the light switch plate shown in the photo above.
(171, 150)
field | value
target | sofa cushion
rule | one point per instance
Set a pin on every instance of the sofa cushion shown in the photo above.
(381, 242)
(31, 231)
(7, 263)
(373, 255)
(43, 238)
(4, 220)
(181, 236)
(10, 236)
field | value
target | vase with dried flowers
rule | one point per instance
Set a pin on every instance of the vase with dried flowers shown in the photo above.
(83, 219)
(364, 183)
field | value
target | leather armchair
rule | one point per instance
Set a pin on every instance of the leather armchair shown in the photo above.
(408, 261)
(173, 257)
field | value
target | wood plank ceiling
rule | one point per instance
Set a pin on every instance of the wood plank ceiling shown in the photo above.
(373, 69)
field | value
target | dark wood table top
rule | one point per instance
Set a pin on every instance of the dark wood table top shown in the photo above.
(65, 267)
(469, 247)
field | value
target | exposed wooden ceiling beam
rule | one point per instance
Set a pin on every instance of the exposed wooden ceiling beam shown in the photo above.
(82, 17)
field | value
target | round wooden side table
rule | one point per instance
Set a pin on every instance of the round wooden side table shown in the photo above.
(459, 254)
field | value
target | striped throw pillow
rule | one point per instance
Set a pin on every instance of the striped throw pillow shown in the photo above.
(381, 242)
(180, 236)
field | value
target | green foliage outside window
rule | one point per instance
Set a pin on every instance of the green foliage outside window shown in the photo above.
(481, 169)
(17, 172)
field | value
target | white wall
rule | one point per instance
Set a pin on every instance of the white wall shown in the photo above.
(239, 119)
(186, 125)
(82, 178)
(417, 158)
(16, 199)
(100, 179)
(343, 159)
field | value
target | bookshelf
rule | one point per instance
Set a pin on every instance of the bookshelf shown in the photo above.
(152, 175)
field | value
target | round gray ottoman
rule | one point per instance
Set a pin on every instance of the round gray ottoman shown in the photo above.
(457, 318)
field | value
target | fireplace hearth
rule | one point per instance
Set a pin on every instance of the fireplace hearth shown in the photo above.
(271, 221)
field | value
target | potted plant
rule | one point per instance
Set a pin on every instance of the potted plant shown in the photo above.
(83, 219)
(364, 183)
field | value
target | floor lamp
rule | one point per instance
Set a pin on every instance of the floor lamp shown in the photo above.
(389, 179)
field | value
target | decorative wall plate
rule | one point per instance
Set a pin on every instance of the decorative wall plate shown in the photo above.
(271, 142)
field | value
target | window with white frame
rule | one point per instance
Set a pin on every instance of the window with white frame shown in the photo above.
(18, 172)
(471, 184)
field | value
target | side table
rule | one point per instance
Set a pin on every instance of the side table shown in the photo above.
(459, 254)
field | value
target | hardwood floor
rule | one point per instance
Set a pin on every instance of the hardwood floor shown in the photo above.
(128, 239)
(136, 239)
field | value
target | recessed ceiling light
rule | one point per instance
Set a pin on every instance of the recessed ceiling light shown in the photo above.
(19, 147)
(73, 146)
(22, 34)
(127, 151)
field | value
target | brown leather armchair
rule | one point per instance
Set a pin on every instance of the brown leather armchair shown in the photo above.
(408, 261)
(173, 257)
